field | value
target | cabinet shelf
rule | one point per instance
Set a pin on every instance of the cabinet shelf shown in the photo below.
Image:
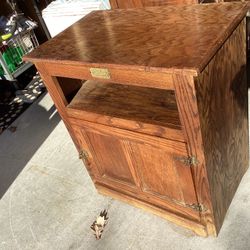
(150, 110)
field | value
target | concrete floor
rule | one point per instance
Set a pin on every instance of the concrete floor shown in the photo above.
(52, 202)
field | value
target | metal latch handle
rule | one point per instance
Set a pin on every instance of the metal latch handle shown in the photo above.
(188, 161)
(83, 155)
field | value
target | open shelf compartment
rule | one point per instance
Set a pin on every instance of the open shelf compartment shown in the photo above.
(148, 110)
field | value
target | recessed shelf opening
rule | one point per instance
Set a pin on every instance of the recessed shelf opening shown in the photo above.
(69, 87)
(146, 110)
(145, 105)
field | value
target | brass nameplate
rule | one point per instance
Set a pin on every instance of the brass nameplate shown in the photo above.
(100, 73)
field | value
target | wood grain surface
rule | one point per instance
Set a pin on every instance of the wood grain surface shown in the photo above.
(142, 105)
(162, 175)
(152, 39)
(58, 96)
(166, 214)
(189, 115)
(125, 159)
(125, 4)
(140, 127)
(222, 101)
(143, 78)
(155, 106)
(186, 98)
(110, 158)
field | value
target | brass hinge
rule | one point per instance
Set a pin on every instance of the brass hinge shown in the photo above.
(197, 207)
(83, 155)
(189, 161)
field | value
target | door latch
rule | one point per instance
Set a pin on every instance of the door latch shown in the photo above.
(83, 155)
(197, 207)
(189, 161)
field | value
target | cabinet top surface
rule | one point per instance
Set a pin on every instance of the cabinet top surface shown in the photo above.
(164, 38)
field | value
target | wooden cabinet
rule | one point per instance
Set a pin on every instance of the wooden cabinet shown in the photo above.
(160, 120)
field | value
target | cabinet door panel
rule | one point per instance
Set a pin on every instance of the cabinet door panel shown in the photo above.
(162, 175)
(110, 157)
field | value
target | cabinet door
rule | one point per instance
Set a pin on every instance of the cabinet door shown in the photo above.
(108, 158)
(162, 172)
(152, 165)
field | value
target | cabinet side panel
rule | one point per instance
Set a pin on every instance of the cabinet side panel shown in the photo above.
(221, 91)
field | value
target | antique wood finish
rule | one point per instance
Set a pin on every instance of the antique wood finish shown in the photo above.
(222, 100)
(58, 97)
(186, 99)
(141, 127)
(125, 4)
(172, 179)
(121, 76)
(159, 39)
(147, 105)
(162, 212)
(161, 119)
(146, 110)
(131, 143)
